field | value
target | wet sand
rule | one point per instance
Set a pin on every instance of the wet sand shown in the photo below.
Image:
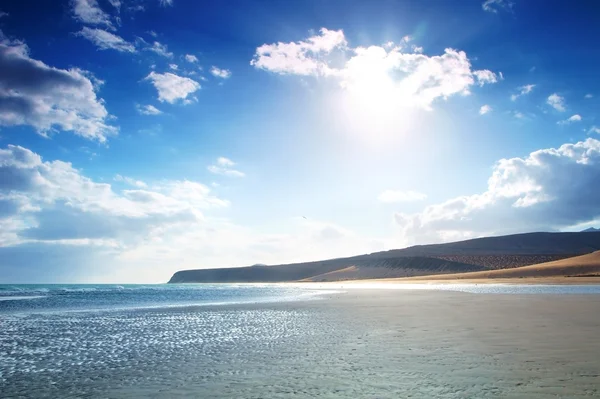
(443, 344)
(359, 343)
(421, 344)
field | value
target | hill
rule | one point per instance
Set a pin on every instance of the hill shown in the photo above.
(481, 254)
(579, 266)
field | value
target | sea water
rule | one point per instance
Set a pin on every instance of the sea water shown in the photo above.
(79, 340)
(196, 341)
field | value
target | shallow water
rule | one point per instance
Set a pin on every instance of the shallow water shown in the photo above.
(33, 298)
(166, 341)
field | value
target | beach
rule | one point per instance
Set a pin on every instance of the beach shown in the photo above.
(353, 342)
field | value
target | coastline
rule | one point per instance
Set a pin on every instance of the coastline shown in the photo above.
(384, 343)
(516, 281)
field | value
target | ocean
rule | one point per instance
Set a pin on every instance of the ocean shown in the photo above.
(212, 340)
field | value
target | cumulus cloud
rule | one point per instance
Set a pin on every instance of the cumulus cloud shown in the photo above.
(89, 12)
(148, 109)
(160, 49)
(300, 58)
(171, 87)
(485, 76)
(166, 3)
(392, 196)
(496, 5)
(105, 40)
(588, 96)
(522, 91)
(224, 166)
(549, 189)
(130, 181)
(557, 102)
(54, 201)
(191, 58)
(404, 77)
(485, 109)
(574, 118)
(220, 73)
(33, 93)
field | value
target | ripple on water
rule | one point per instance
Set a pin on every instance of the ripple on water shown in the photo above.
(75, 353)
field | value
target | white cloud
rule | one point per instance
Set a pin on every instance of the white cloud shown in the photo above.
(496, 5)
(171, 87)
(191, 58)
(130, 181)
(220, 73)
(105, 40)
(148, 109)
(594, 129)
(402, 78)
(4, 14)
(160, 49)
(519, 115)
(300, 58)
(589, 95)
(549, 189)
(557, 102)
(485, 76)
(522, 91)
(224, 166)
(173, 66)
(55, 195)
(33, 93)
(116, 4)
(392, 196)
(574, 118)
(485, 109)
(89, 12)
(166, 3)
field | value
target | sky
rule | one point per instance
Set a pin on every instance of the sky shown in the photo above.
(142, 137)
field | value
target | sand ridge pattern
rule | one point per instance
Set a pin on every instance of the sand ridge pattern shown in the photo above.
(579, 266)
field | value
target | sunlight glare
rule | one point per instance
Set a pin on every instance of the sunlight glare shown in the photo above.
(373, 104)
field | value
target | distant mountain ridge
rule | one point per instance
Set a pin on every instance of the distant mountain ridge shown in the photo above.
(590, 230)
(478, 254)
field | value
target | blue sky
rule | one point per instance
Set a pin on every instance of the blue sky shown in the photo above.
(140, 137)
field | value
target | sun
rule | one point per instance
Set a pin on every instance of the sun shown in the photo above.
(373, 108)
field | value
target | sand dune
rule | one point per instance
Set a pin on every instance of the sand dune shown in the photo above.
(578, 266)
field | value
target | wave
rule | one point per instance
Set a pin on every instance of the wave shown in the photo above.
(20, 298)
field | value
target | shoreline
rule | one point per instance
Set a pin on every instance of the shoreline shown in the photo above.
(515, 281)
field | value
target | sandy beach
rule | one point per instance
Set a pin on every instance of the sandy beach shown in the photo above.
(449, 279)
(423, 344)
(350, 342)
(395, 343)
